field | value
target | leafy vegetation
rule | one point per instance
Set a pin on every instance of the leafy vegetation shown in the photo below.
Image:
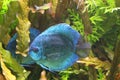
(16, 16)
(77, 24)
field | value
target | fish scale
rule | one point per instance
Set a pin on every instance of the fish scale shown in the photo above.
(65, 30)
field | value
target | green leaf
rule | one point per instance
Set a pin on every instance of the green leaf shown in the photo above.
(6, 72)
(1, 19)
(96, 18)
(23, 29)
(12, 64)
(8, 18)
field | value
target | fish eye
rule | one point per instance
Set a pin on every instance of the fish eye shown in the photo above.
(35, 49)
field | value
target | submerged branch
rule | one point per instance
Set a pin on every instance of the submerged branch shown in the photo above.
(115, 69)
(84, 15)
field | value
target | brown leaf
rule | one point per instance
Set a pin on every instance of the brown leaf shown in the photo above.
(2, 77)
(96, 62)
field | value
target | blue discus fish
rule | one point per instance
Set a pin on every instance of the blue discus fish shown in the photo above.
(12, 47)
(55, 48)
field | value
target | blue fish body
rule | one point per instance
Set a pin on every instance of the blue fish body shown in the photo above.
(54, 49)
(12, 47)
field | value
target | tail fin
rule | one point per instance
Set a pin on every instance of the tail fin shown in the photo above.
(83, 48)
